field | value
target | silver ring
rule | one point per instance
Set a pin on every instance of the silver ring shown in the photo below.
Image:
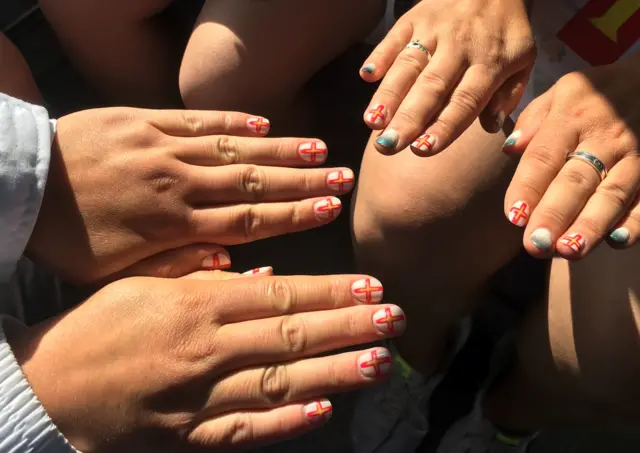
(415, 44)
(592, 160)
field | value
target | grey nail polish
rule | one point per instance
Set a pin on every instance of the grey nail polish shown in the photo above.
(369, 68)
(388, 139)
(541, 238)
(512, 139)
(620, 235)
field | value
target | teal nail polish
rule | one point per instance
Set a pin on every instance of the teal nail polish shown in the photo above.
(541, 238)
(512, 139)
(388, 139)
(620, 235)
(369, 68)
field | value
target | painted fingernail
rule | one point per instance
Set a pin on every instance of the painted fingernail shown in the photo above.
(376, 115)
(259, 125)
(341, 180)
(367, 290)
(512, 139)
(575, 241)
(217, 260)
(424, 144)
(259, 271)
(314, 152)
(326, 209)
(519, 213)
(368, 68)
(541, 238)
(499, 120)
(390, 320)
(620, 235)
(318, 411)
(388, 139)
(375, 364)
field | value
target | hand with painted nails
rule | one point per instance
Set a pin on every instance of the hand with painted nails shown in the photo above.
(214, 363)
(579, 175)
(127, 184)
(444, 64)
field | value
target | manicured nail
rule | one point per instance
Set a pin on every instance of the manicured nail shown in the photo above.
(575, 241)
(376, 115)
(390, 320)
(424, 144)
(369, 68)
(218, 260)
(376, 363)
(388, 139)
(367, 290)
(259, 271)
(318, 411)
(259, 125)
(620, 235)
(314, 152)
(541, 238)
(519, 213)
(512, 139)
(326, 209)
(499, 120)
(341, 181)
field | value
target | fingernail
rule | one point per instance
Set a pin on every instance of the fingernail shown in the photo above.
(341, 181)
(424, 144)
(499, 120)
(259, 125)
(217, 260)
(329, 208)
(519, 213)
(388, 139)
(259, 271)
(390, 320)
(318, 411)
(367, 290)
(376, 115)
(541, 238)
(620, 235)
(376, 363)
(512, 139)
(575, 241)
(315, 152)
(369, 68)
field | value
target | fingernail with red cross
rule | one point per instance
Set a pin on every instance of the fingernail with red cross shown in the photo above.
(318, 411)
(327, 209)
(313, 152)
(390, 320)
(519, 213)
(218, 260)
(375, 363)
(267, 270)
(341, 181)
(259, 125)
(424, 144)
(376, 115)
(367, 290)
(575, 241)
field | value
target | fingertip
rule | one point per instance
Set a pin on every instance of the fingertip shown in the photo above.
(317, 412)
(327, 209)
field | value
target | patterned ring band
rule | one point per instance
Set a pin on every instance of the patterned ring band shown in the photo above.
(415, 44)
(592, 160)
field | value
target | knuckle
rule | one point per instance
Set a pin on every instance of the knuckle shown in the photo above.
(551, 215)
(540, 158)
(293, 334)
(192, 122)
(408, 119)
(228, 121)
(239, 431)
(466, 100)
(575, 178)
(275, 385)
(252, 225)
(411, 63)
(282, 294)
(388, 94)
(226, 148)
(614, 193)
(434, 82)
(590, 227)
(253, 182)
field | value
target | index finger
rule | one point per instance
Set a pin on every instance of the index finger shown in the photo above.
(249, 299)
(199, 123)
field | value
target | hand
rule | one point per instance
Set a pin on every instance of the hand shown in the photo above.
(126, 184)
(571, 207)
(155, 365)
(483, 51)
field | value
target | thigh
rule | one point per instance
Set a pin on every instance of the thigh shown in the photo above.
(272, 47)
(15, 77)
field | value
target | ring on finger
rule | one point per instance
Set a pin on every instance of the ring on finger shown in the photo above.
(415, 44)
(592, 160)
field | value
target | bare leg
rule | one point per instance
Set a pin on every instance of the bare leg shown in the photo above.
(15, 76)
(578, 357)
(433, 230)
(120, 47)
